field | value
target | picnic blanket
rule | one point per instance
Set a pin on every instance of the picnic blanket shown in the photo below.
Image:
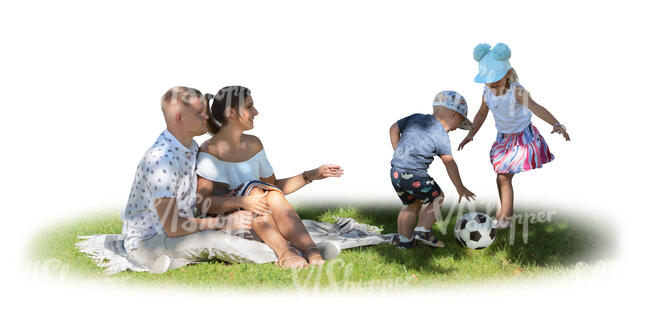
(107, 250)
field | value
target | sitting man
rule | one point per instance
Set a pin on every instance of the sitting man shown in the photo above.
(159, 221)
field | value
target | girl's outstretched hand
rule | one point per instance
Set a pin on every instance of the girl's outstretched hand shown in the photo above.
(325, 171)
(465, 141)
(561, 130)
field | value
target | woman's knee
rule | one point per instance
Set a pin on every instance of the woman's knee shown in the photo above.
(256, 191)
(275, 196)
(261, 221)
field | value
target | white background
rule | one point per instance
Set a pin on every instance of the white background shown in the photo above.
(81, 85)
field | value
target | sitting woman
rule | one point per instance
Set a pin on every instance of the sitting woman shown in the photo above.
(234, 173)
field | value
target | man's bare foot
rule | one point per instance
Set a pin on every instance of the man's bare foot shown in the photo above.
(291, 259)
(313, 256)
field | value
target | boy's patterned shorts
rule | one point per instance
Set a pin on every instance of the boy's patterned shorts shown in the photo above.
(410, 187)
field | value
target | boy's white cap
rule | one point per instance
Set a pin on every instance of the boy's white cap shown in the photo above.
(455, 102)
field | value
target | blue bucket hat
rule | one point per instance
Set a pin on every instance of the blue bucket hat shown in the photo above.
(455, 102)
(492, 64)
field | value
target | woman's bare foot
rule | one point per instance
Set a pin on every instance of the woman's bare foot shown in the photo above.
(291, 259)
(313, 256)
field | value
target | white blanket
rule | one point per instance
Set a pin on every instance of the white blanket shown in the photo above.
(107, 250)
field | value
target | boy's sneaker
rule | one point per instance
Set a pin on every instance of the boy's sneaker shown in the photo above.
(403, 245)
(502, 223)
(428, 238)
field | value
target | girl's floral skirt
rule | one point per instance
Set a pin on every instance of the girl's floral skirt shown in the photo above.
(519, 152)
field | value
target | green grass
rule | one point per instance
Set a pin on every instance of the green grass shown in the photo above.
(553, 248)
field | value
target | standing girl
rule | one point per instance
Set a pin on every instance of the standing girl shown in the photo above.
(519, 146)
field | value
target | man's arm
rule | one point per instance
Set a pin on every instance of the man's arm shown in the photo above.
(175, 226)
(208, 200)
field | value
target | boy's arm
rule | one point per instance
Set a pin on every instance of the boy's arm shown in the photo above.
(394, 135)
(454, 175)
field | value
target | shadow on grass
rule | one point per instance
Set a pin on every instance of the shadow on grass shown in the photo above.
(564, 240)
(552, 246)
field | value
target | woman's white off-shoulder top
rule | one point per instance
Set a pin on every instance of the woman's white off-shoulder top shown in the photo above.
(233, 173)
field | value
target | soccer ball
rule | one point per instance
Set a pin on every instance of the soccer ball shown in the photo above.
(474, 230)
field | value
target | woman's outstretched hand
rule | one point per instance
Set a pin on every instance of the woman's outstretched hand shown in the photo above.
(325, 171)
(561, 130)
(464, 142)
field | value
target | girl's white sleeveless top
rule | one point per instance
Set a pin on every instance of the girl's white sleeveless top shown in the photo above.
(509, 115)
(233, 173)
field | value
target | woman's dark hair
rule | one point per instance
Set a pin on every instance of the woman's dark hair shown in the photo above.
(231, 96)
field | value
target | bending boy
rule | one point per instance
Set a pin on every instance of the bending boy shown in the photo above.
(417, 139)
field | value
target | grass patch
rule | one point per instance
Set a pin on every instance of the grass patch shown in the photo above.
(554, 247)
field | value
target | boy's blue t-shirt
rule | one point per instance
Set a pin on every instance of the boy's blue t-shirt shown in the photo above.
(423, 137)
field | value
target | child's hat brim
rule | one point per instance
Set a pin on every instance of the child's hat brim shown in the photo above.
(488, 77)
(466, 125)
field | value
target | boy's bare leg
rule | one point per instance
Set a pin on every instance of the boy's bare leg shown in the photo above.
(430, 213)
(407, 218)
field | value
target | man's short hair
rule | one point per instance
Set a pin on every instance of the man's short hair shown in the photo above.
(178, 94)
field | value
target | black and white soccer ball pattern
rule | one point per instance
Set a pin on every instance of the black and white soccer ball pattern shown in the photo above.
(475, 230)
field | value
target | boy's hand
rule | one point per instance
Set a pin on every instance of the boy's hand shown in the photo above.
(464, 192)
(465, 141)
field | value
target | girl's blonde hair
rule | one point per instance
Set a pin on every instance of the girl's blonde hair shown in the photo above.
(513, 77)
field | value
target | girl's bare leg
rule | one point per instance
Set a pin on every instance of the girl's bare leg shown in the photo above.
(267, 230)
(291, 227)
(506, 195)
